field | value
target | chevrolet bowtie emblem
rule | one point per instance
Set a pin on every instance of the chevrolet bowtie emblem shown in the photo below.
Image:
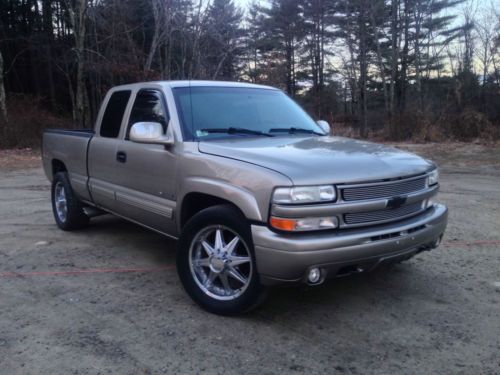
(396, 202)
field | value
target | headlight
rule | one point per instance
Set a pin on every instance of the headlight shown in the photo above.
(433, 177)
(305, 194)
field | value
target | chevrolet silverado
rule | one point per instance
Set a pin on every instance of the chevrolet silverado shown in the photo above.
(256, 192)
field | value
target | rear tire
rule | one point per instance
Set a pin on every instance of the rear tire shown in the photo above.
(216, 262)
(67, 209)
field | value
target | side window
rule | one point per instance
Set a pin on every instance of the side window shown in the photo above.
(113, 115)
(149, 106)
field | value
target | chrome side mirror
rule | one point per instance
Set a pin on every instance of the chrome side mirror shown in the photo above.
(325, 126)
(151, 133)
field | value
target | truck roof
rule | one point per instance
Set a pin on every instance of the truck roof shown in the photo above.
(194, 83)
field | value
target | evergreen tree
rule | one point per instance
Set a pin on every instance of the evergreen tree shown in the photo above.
(318, 31)
(223, 40)
(284, 30)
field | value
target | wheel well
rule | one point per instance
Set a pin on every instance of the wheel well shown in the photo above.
(58, 166)
(195, 202)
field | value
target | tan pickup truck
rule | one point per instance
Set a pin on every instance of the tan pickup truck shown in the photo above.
(255, 191)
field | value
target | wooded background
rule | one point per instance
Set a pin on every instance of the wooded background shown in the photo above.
(422, 70)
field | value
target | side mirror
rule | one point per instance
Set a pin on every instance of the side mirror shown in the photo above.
(151, 133)
(325, 126)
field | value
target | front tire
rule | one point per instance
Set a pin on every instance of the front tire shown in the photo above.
(67, 209)
(216, 262)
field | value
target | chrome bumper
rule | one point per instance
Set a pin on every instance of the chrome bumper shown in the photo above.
(286, 258)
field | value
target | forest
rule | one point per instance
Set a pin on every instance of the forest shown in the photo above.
(417, 70)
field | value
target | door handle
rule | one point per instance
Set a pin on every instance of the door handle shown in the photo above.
(121, 156)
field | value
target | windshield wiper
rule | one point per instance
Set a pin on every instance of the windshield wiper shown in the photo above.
(293, 130)
(232, 130)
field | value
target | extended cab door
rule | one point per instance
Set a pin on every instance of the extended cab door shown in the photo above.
(102, 154)
(146, 176)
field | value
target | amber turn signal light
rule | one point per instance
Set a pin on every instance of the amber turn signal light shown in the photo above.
(304, 224)
(283, 224)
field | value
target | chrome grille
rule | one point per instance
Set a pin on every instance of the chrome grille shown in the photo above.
(384, 190)
(382, 215)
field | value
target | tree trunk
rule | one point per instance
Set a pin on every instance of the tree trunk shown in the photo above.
(290, 84)
(48, 30)
(167, 68)
(3, 99)
(77, 17)
(404, 59)
(158, 26)
(418, 22)
(363, 71)
(380, 62)
(394, 54)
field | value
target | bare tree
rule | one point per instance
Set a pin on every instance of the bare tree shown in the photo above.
(468, 11)
(197, 31)
(363, 65)
(377, 21)
(485, 28)
(3, 100)
(419, 15)
(495, 47)
(77, 11)
(395, 37)
(160, 11)
(405, 54)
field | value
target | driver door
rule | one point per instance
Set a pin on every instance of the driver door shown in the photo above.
(146, 173)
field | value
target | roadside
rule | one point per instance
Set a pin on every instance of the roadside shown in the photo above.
(25, 158)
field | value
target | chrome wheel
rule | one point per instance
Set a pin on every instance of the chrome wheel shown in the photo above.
(220, 262)
(60, 202)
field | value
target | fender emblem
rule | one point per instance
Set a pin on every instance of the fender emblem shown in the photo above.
(396, 202)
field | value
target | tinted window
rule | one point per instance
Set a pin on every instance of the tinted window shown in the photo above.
(148, 107)
(223, 107)
(113, 115)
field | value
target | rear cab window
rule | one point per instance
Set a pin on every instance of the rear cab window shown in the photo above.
(113, 115)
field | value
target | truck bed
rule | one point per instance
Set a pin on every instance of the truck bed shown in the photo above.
(68, 148)
(87, 133)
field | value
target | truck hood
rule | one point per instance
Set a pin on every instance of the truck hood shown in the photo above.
(320, 160)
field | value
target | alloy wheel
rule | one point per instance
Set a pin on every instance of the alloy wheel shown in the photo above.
(220, 262)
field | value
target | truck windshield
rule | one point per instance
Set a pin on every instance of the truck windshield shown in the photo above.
(254, 110)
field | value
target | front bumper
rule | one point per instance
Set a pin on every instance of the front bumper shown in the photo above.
(287, 258)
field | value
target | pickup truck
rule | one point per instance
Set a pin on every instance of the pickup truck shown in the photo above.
(255, 191)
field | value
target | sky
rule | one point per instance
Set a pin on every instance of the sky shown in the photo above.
(244, 3)
(496, 3)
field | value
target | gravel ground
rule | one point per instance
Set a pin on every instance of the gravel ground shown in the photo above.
(107, 299)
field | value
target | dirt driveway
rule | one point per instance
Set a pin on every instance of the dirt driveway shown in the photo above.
(107, 299)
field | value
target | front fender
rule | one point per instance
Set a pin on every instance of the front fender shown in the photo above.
(237, 195)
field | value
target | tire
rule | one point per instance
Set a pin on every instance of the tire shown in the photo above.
(225, 282)
(67, 209)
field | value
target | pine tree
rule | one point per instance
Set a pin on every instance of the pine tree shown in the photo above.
(223, 40)
(284, 30)
(318, 34)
